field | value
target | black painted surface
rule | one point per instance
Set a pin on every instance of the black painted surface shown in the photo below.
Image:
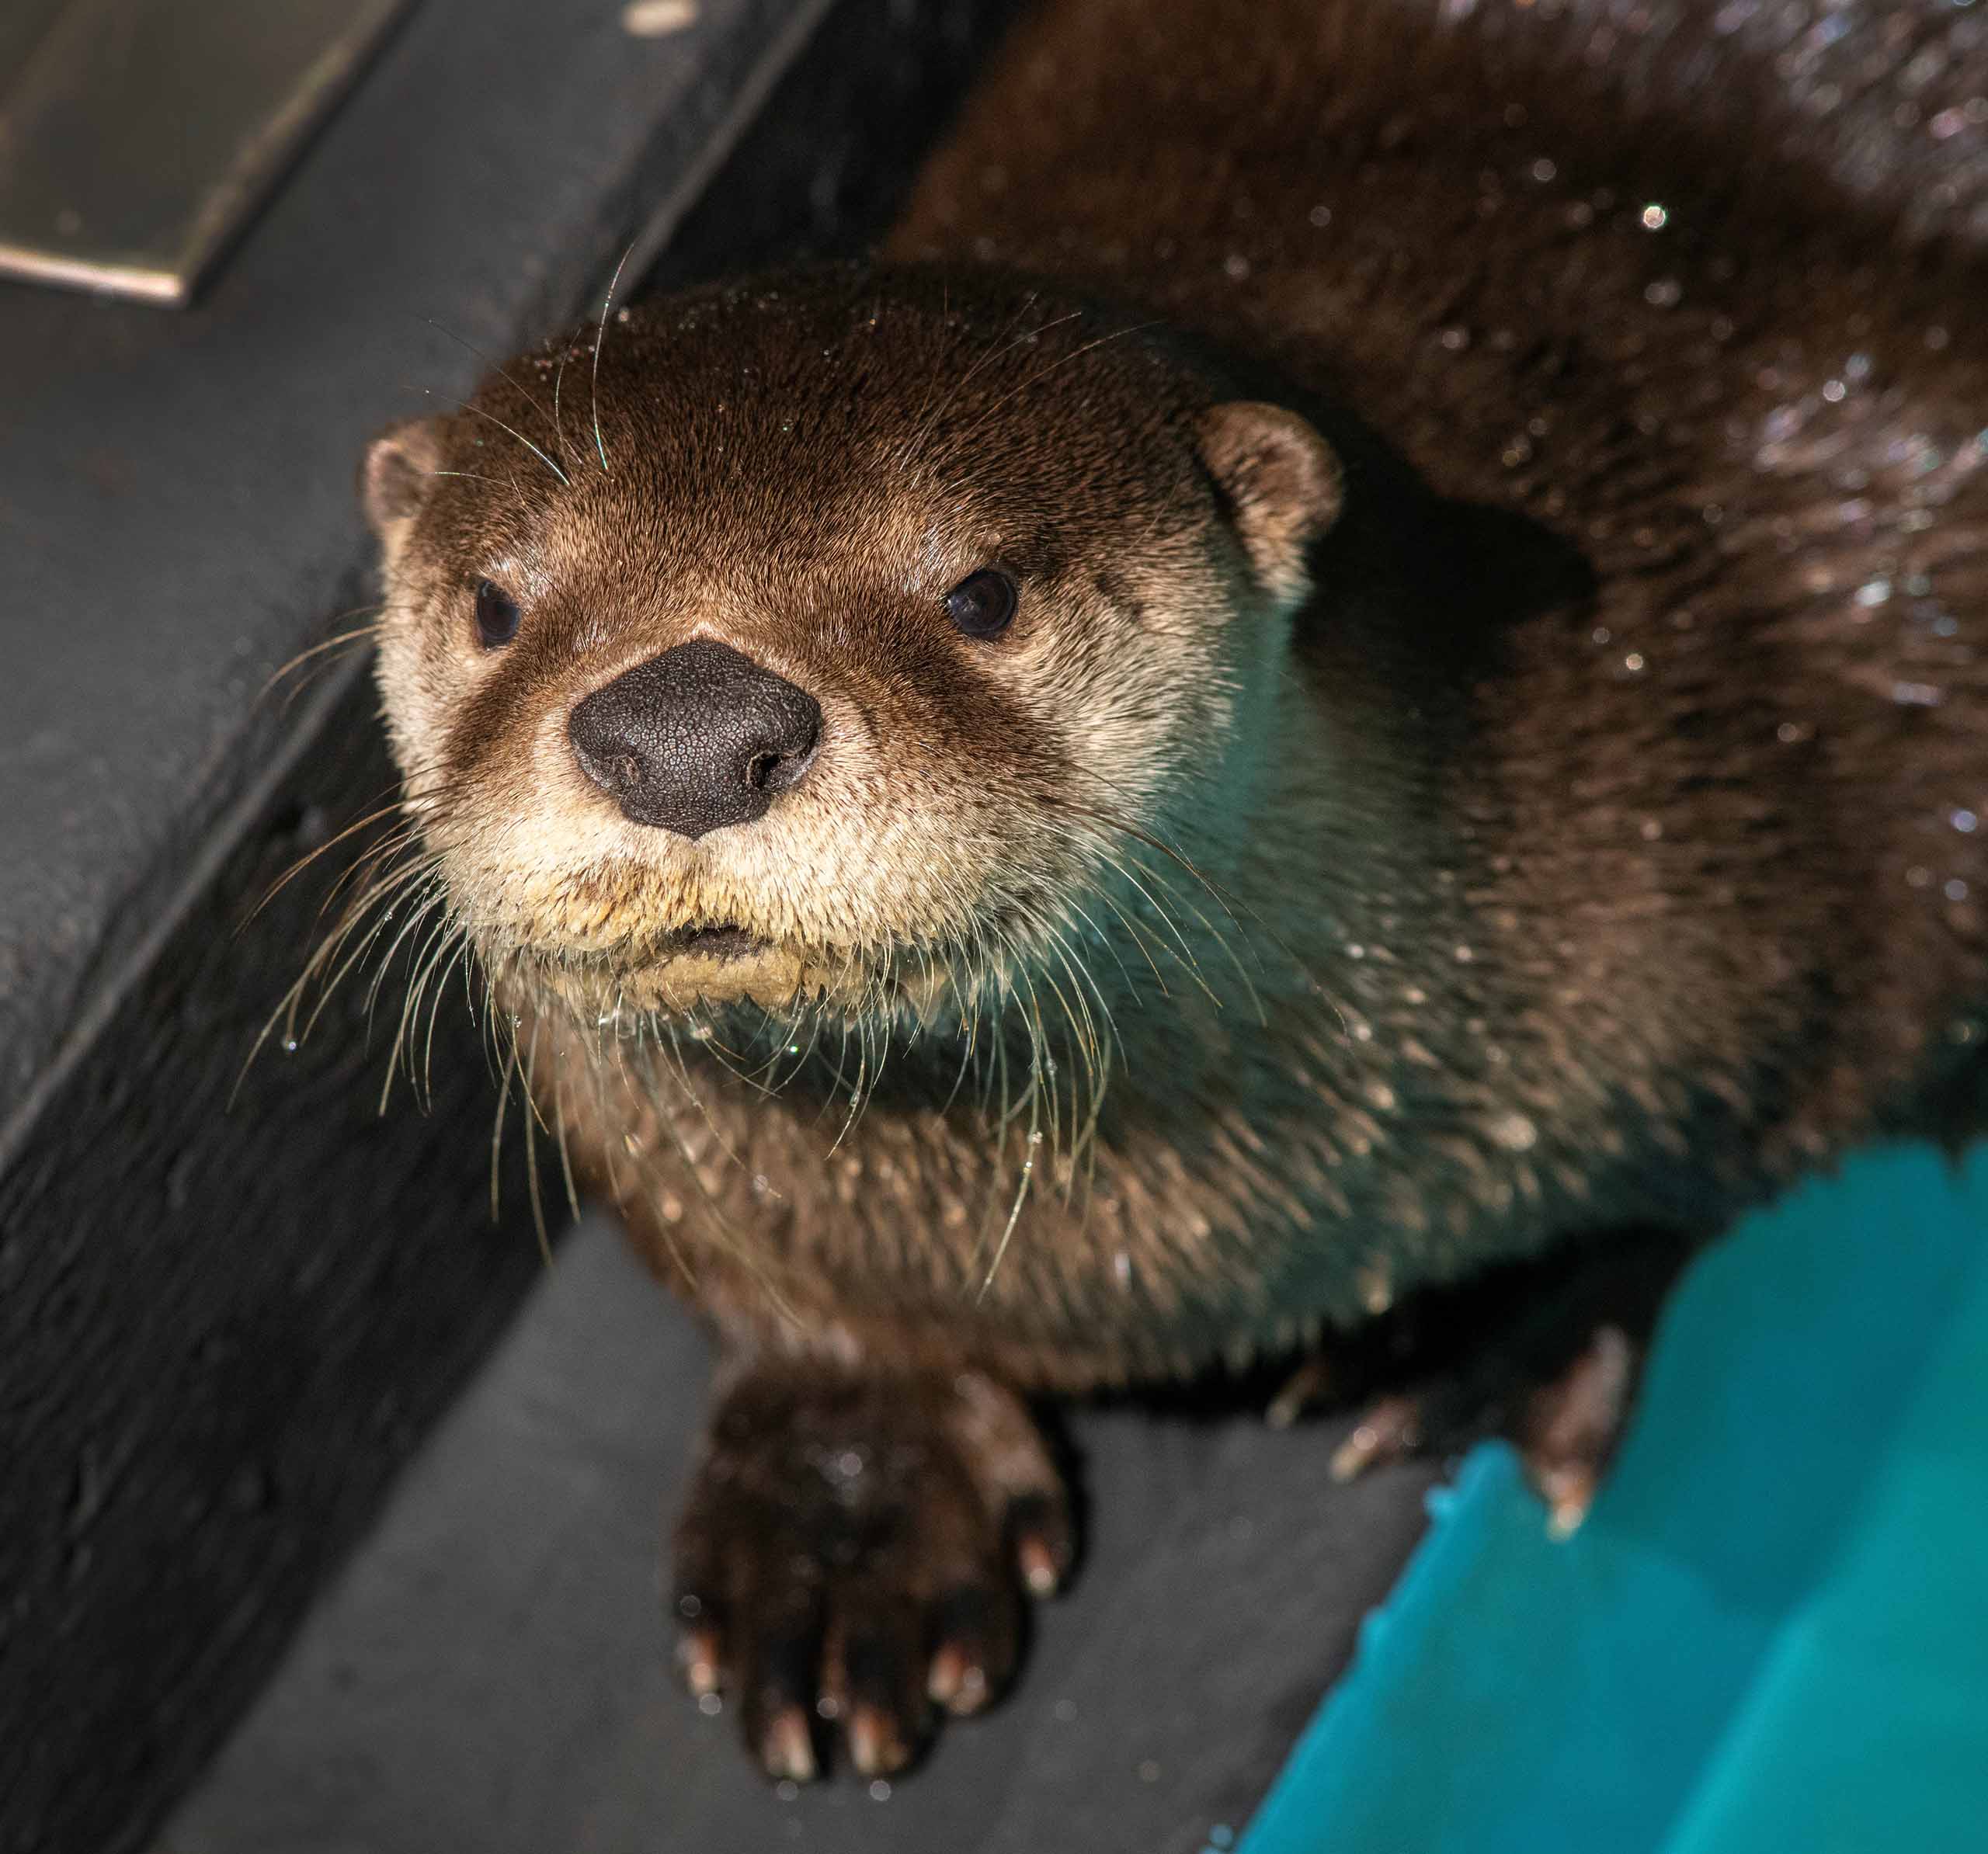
(223, 1332)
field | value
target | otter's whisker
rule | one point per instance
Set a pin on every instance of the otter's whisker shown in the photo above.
(531, 1143)
(462, 955)
(599, 341)
(417, 917)
(476, 411)
(497, 1127)
(439, 938)
(1168, 922)
(358, 633)
(1042, 373)
(1228, 902)
(490, 361)
(1021, 1196)
(304, 862)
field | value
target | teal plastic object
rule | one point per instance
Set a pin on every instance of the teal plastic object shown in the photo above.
(1771, 1635)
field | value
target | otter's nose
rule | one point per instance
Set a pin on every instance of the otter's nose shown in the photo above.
(696, 738)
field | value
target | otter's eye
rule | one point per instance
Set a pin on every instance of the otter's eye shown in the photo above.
(496, 616)
(983, 604)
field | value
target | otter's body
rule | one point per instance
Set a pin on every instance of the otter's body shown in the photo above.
(1488, 753)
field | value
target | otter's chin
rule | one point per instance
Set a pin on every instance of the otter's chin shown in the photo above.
(720, 965)
(693, 969)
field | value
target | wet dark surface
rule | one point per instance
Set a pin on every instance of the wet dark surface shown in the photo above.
(491, 1671)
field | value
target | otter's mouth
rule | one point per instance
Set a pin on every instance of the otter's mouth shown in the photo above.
(722, 940)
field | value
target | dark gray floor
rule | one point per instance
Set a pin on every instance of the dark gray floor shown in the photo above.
(489, 1675)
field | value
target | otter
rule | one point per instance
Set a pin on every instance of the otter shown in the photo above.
(1357, 657)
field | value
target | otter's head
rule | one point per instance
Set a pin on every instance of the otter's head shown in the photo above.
(831, 635)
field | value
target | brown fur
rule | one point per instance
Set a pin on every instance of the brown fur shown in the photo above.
(1543, 809)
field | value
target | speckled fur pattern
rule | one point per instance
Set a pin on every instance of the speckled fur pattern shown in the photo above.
(1562, 810)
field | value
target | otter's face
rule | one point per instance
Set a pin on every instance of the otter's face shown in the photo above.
(828, 636)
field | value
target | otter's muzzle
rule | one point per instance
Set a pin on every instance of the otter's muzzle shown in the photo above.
(697, 738)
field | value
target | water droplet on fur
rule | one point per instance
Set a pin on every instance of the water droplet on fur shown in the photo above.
(1514, 1132)
(290, 1046)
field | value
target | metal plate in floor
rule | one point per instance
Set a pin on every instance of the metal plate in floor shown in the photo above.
(138, 136)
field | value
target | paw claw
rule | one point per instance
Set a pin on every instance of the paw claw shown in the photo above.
(1038, 1567)
(944, 1678)
(1309, 1385)
(1040, 1526)
(876, 1747)
(697, 1658)
(1567, 1505)
(787, 1749)
(958, 1681)
(1391, 1429)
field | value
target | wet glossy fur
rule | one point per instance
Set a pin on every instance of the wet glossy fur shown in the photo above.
(1578, 833)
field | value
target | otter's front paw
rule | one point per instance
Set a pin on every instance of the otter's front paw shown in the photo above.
(853, 1550)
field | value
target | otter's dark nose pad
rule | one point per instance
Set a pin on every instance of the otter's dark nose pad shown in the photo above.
(698, 738)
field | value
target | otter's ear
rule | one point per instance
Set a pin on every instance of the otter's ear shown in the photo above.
(399, 473)
(1283, 483)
